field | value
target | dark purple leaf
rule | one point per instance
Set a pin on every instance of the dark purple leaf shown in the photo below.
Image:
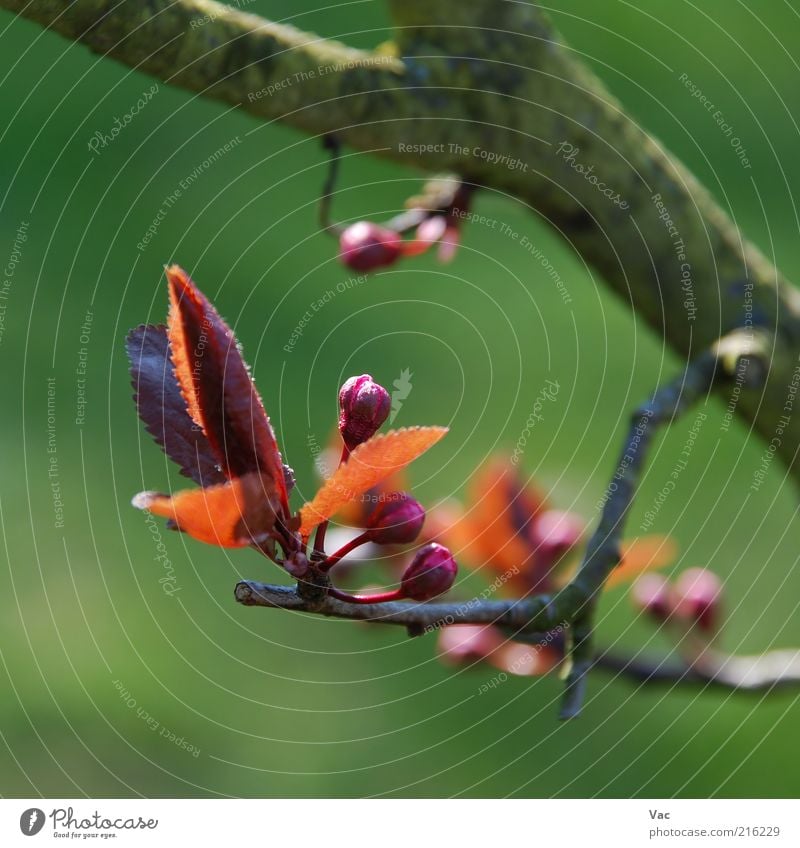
(162, 408)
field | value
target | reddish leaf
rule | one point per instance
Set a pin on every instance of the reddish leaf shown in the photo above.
(496, 528)
(233, 514)
(217, 387)
(162, 408)
(371, 462)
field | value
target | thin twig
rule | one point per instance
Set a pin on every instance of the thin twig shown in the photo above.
(537, 614)
(330, 143)
(753, 673)
(603, 550)
(573, 607)
(780, 668)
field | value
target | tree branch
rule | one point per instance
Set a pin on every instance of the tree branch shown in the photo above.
(272, 70)
(780, 668)
(539, 613)
(572, 607)
(489, 91)
(754, 673)
(603, 552)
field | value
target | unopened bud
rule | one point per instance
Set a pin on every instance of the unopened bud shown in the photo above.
(363, 407)
(365, 246)
(556, 532)
(696, 598)
(396, 521)
(468, 643)
(651, 594)
(431, 573)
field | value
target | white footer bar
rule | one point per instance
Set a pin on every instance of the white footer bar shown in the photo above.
(401, 823)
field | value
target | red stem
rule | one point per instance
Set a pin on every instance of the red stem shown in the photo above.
(328, 564)
(319, 538)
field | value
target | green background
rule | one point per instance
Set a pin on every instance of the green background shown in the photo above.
(285, 705)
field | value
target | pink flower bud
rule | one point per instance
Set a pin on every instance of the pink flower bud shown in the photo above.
(365, 246)
(363, 407)
(696, 598)
(468, 643)
(651, 594)
(526, 660)
(431, 573)
(396, 521)
(556, 532)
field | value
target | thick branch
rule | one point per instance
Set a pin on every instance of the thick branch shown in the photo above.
(272, 70)
(489, 91)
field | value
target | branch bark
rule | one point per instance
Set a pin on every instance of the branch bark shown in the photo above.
(489, 91)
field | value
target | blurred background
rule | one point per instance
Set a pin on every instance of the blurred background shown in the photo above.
(109, 685)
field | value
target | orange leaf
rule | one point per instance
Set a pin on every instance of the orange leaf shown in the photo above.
(216, 385)
(369, 463)
(232, 514)
(180, 345)
(502, 510)
(642, 555)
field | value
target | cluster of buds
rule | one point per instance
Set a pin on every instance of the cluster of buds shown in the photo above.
(528, 547)
(508, 529)
(398, 518)
(435, 217)
(693, 601)
(201, 406)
